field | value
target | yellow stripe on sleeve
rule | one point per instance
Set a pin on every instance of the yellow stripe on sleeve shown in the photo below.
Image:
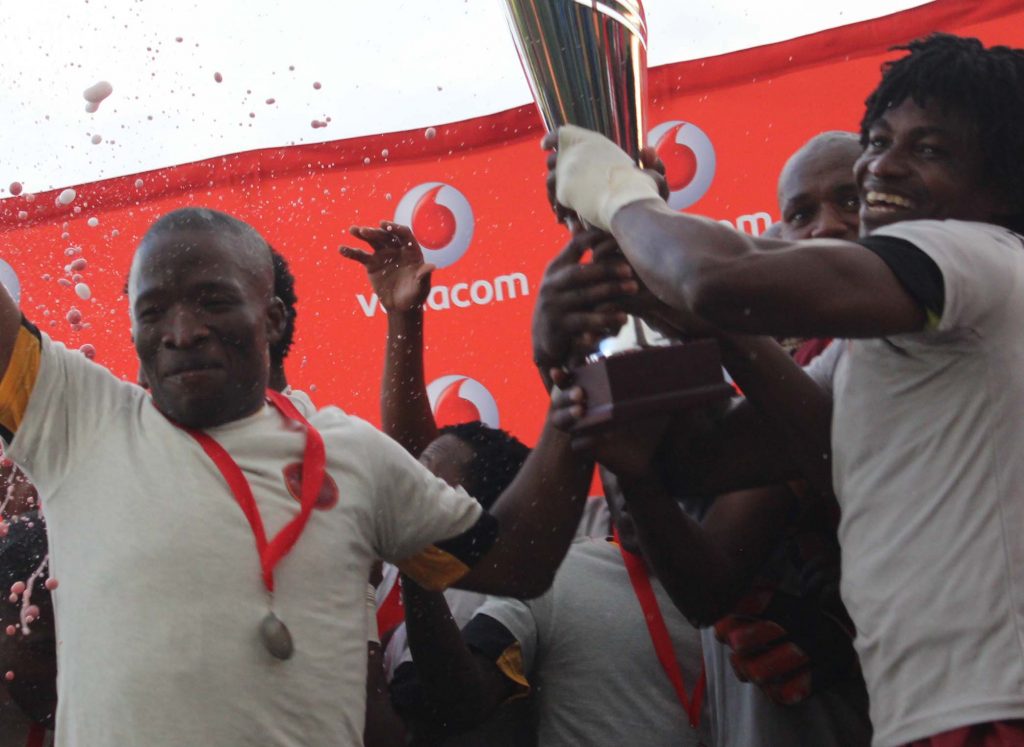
(19, 380)
(511, 665)
(433, 568)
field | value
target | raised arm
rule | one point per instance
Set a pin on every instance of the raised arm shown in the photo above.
(447, 687)
(818, 288)
(401, 280)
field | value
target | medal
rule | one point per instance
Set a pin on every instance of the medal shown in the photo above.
(276, 637)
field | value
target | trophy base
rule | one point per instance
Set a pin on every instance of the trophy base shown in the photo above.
(651, 381)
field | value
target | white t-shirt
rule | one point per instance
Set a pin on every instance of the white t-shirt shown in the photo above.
(928, 466)
(160, 595)
(587, 655)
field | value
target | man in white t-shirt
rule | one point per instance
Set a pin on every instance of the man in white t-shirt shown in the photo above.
(928, 429)
(184, 624)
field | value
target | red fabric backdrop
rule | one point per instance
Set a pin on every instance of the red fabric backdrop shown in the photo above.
(754, 107)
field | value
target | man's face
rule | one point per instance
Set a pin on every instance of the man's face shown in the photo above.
(202, 317)
(920, 163)
(818, 195)
(448, 457)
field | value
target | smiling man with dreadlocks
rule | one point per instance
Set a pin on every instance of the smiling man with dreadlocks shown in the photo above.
(921, 405)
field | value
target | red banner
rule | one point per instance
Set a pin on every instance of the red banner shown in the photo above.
(474, 193)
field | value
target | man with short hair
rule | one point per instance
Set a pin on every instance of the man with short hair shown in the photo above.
(239, 536)
(927, 433)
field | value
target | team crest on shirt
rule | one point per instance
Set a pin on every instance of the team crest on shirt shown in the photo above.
(328, 497)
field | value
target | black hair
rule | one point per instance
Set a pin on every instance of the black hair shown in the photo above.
(961, 75)
(497, 459)
(21, 552)
(284, 288)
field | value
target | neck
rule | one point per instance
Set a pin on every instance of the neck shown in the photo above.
(278, 382)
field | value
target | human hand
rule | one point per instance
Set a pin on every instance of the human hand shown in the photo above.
(788, 646)
(398, 274)
(593, 177)
(576, 304)
(626, 448)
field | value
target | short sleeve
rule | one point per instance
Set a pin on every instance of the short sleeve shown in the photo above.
(822, 369)
(431, 531)
(507, 631)
(981, 267)
(54, 404)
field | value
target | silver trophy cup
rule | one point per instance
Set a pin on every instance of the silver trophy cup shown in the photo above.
(586, 62)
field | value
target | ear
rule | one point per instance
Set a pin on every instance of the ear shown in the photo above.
(276, 320)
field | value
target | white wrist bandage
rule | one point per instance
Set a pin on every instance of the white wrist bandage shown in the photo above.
(596, 178)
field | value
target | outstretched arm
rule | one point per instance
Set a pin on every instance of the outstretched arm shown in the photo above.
(401, 280)
(819, 288)
(537, 519)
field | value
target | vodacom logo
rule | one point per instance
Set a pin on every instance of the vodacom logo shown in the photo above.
(442, 219)
(689, 160)
(460, 399)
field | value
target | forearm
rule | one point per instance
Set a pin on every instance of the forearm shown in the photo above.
(456, 687)
(383, 726)
(701, 580)
(710, 452)
(788, 398)
(706, 567)
(405, 408)
(537, 517)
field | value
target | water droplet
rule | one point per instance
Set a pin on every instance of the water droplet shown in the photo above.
(93, 222)
(218, 77)
(430, 133)
(15, 188)
(95, 93)
(96, 139)
(83, 291)
(316, 85)
(88, 351)
(67, 196)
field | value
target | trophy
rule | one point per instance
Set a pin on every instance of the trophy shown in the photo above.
(586, 62)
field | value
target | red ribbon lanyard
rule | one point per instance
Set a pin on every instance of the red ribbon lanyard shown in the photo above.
(313, 461)
(391, 613)
(663, 646)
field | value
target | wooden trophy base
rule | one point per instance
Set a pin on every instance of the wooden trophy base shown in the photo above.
(641, 383)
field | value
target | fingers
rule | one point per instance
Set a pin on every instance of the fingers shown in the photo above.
(398, 232)
(650, 160)
(356, 255)
(577, 246)
(424, 270)
(567, 405)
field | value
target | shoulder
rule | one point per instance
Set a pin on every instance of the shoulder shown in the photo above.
(927, 234)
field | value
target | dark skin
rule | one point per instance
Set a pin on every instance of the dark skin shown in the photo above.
(32, 658)
(401, 280)
(203, 315)
(921, 162)
(817, 193)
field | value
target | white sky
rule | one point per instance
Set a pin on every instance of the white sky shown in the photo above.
(384, 65)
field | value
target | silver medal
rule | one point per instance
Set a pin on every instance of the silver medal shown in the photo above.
(276, 637)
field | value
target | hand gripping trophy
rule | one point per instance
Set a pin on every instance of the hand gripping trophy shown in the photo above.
(586, 62)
